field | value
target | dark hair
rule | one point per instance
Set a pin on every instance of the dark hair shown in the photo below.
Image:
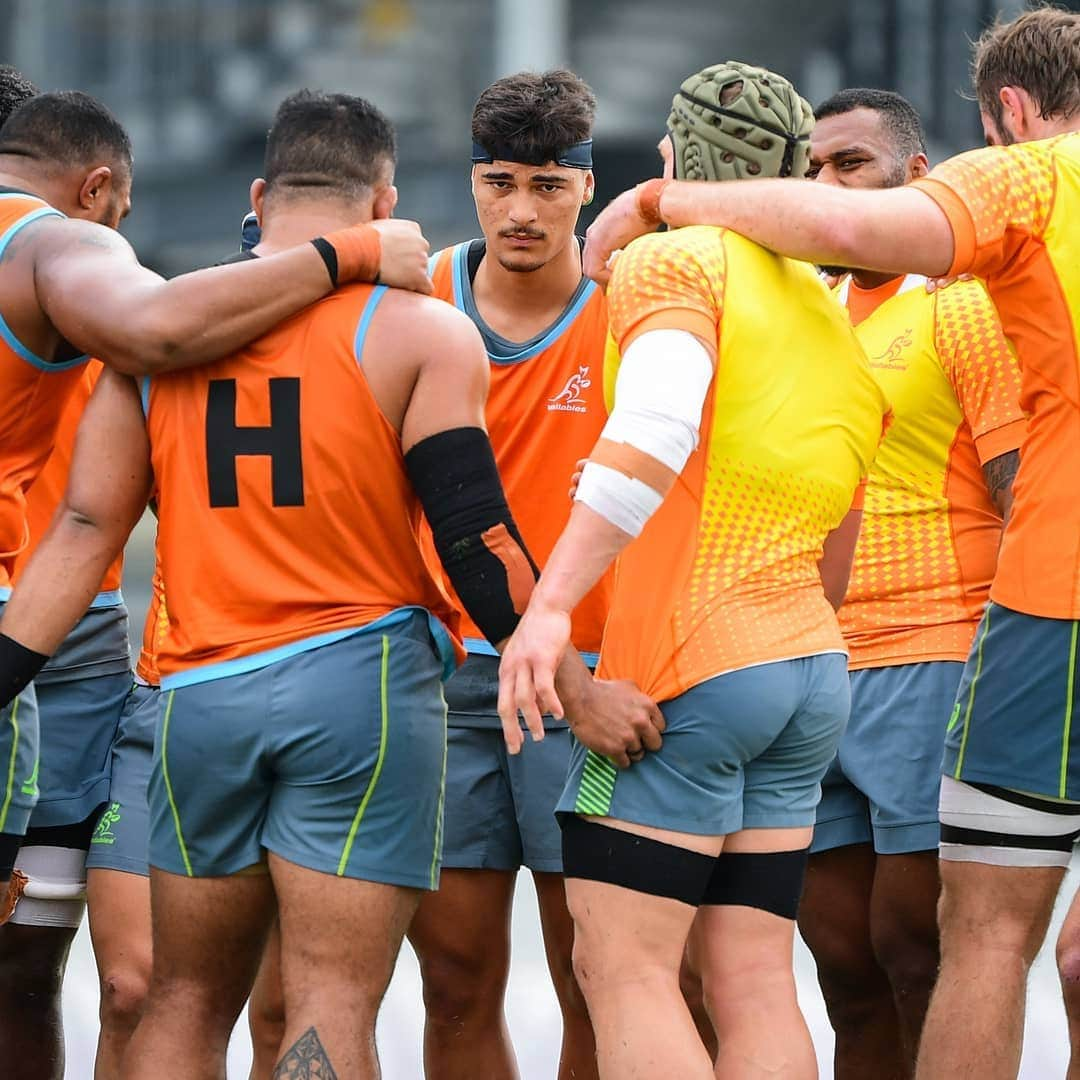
(337, 143)
(15, 88)
(1040, 52)
(532, 117)
(67, 128)
(897, 114)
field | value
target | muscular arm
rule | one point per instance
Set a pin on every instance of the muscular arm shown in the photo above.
(899, 230)
(107, 492)
(98, 296)
(1000, 472)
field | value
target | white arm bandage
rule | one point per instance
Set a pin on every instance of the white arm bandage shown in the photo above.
(659, 394)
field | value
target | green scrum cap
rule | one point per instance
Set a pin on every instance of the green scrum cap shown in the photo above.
(733, 121)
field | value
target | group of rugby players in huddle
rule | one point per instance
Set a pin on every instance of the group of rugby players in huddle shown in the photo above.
(799, 647)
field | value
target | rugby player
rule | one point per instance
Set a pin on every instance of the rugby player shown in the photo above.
(936, 496)
(1010, 796)
(544, 326)
(328, 660)
(725, 480)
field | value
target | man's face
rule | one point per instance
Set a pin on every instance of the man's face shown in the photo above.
(528, 212)
(854, 150)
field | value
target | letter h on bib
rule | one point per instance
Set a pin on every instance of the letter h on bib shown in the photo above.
(280, 441)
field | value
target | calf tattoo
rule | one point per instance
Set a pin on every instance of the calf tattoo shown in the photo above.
(305, 1060)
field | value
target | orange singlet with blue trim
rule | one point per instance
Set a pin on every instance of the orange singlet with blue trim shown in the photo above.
(33, 395)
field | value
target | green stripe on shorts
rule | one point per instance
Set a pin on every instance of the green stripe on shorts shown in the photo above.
(10, 789)
(385, 711)
(597, 786)
(971, 694)
(168, 784)
(441, 810)
(1067, 732)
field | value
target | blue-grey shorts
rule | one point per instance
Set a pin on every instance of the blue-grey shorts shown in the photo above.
(120, 839)
(18, 761)
(883, 784)
(78, 721)
(333, 758)
(500, 809)
(745, 750)
(1016, 721)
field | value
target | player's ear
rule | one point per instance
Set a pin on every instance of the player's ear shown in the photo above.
(258, 193)
(96, 187)
(918, 165)
(590, 189)
(1016, 104)
(385, 201)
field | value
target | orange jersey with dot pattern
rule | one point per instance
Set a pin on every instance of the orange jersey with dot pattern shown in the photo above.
(33, 393)
(1013, 212)
(545, 411)
(930, 533)
(285, 513)
(725, 574)
(48, 489)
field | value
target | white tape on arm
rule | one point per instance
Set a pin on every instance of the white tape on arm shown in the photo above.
(659, 395)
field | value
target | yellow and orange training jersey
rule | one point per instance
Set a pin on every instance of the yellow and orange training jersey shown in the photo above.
(930, 533)
(1013, 212)
(33, 393)
(725, 574)
(154, 629)
(48, 489)
(545, 411)
(286, 519)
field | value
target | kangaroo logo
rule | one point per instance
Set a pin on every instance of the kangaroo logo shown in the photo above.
(891, 356)
(569, 398)
(103, 834)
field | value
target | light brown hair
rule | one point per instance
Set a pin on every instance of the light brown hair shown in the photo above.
(1039, 52)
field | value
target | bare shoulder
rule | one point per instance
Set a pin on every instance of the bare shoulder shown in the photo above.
(432, 330)
(70, 236)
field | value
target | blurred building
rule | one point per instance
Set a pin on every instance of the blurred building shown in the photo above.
(196, 81)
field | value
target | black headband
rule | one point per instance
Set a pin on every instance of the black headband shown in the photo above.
(576, 156)
(791, 140)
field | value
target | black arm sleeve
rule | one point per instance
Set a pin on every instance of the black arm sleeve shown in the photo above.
(454, 475)
(18, 666)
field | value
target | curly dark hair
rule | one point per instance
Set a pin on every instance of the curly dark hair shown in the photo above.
(532, 116)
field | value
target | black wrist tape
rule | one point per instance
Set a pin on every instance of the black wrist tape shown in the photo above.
(329, 256)
(18, 666)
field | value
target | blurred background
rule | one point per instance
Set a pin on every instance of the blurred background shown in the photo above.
(197, 82)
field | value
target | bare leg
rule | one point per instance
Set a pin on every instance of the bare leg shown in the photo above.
(834, 918)
(577, 1059)
(208, 937)
(461, 935)
(32, 963)
(628, 951)
(1068, 959)
(749, 979)
(694, 994)
(993, 920)
(266, 1010)
(340, 938)
(119, 908)
(903, 919)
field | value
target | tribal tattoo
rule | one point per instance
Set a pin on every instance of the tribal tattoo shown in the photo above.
(305, 1060)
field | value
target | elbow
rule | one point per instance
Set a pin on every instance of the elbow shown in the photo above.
(150, 347)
